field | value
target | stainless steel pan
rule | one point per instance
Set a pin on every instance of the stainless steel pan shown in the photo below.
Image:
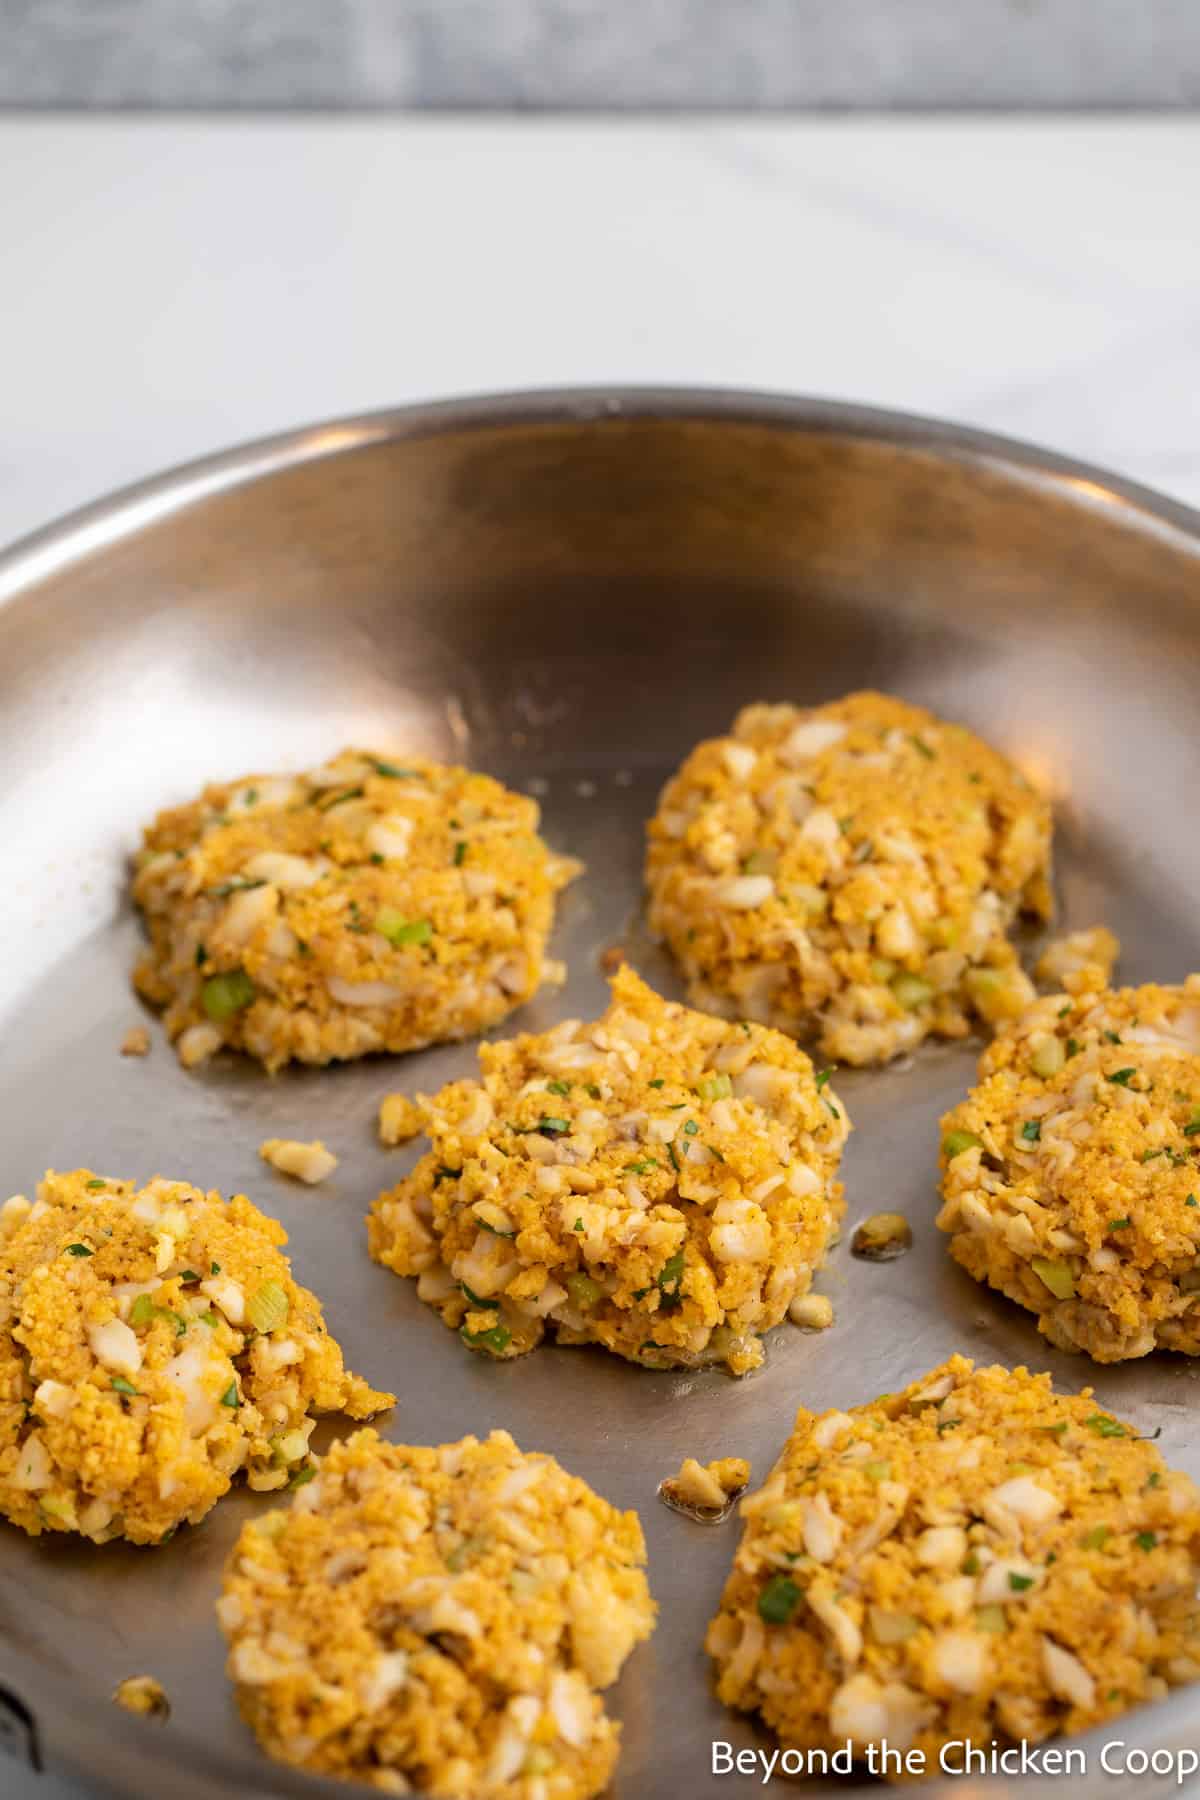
(568, 590)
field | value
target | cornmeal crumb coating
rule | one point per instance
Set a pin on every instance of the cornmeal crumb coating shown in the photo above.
(849, 872)
(366, 905)
(657, 1181)
(439, 1621)
(1070, 1173)
(975, 1558)
(153, 1343)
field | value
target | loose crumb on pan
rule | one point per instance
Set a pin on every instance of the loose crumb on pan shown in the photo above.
(366, 905)
(154, 1344)
(1071, 1171)
(882, 1237)
(812, 1312)
(136, 1041)
(307, 1162)
(143, 1695)
(850, 871)
(657, 1181)
(1079, 959)
(706, 1491)
(438, 1620)
(400, 1119)
(975, 1558)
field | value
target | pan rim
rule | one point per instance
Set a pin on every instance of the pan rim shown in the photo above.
(50, 548)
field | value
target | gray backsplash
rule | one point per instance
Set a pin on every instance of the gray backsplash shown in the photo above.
(599, 53)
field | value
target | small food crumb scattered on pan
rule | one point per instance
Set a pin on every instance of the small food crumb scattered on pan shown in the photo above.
(400, 1119)
(143, 1695)
(882, 1237)
(706, 1492)
(136, 1042)
(812, 1312)
(306, 1162)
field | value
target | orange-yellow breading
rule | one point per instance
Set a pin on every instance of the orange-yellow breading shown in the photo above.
(975, 1558)
(1070, 1174)
(152, 1343)
(367, 905)
(657, 1181)
(439, 1621)
(849, 871)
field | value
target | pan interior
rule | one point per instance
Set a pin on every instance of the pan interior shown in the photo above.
(569, 606)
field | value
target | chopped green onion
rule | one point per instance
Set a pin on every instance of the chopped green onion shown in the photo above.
(583, 1290)
(921, 745)
(444, 1172)
(1031, 1130)
(496, 1340)
(478, 1300)
(398, 930)
(214, 1268)
(1096, 1538)
(1073, 1047)
(671, 1274)
(332, 800)
(640, 1168)
(553, 1127)
(778, 1600)
(267, 1308)
(1114, 1037)
(593, 1090)
(1054, 1275)
(1192, 1126)
(561, 1088)
(1019, 1583)
(187, 1276)
(578, 1225)
(822, 1077)
(237, 886)
(1121, 1077)
(955, 1142)
(657, 1082)
(715, 1087)
(142, 1311)
(303, 1476)
(392, 771)
(460, 853)
(79, 1250)
(223, 995)
(690, 1127)
(1103, 1426)
(1119, 1224)
(1146, 1540)
(910, 991)
(230, 1396)
(122, 1386)
(96, 1183)
(1058, 1429)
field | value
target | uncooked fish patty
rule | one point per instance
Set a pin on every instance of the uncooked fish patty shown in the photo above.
(153, 1343)
(367, 905)
(849, 871)
(657, 1181)
(439, 1621)
(975, 1558)
(1071, 1172)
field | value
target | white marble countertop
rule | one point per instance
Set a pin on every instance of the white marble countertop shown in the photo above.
(171, 287)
